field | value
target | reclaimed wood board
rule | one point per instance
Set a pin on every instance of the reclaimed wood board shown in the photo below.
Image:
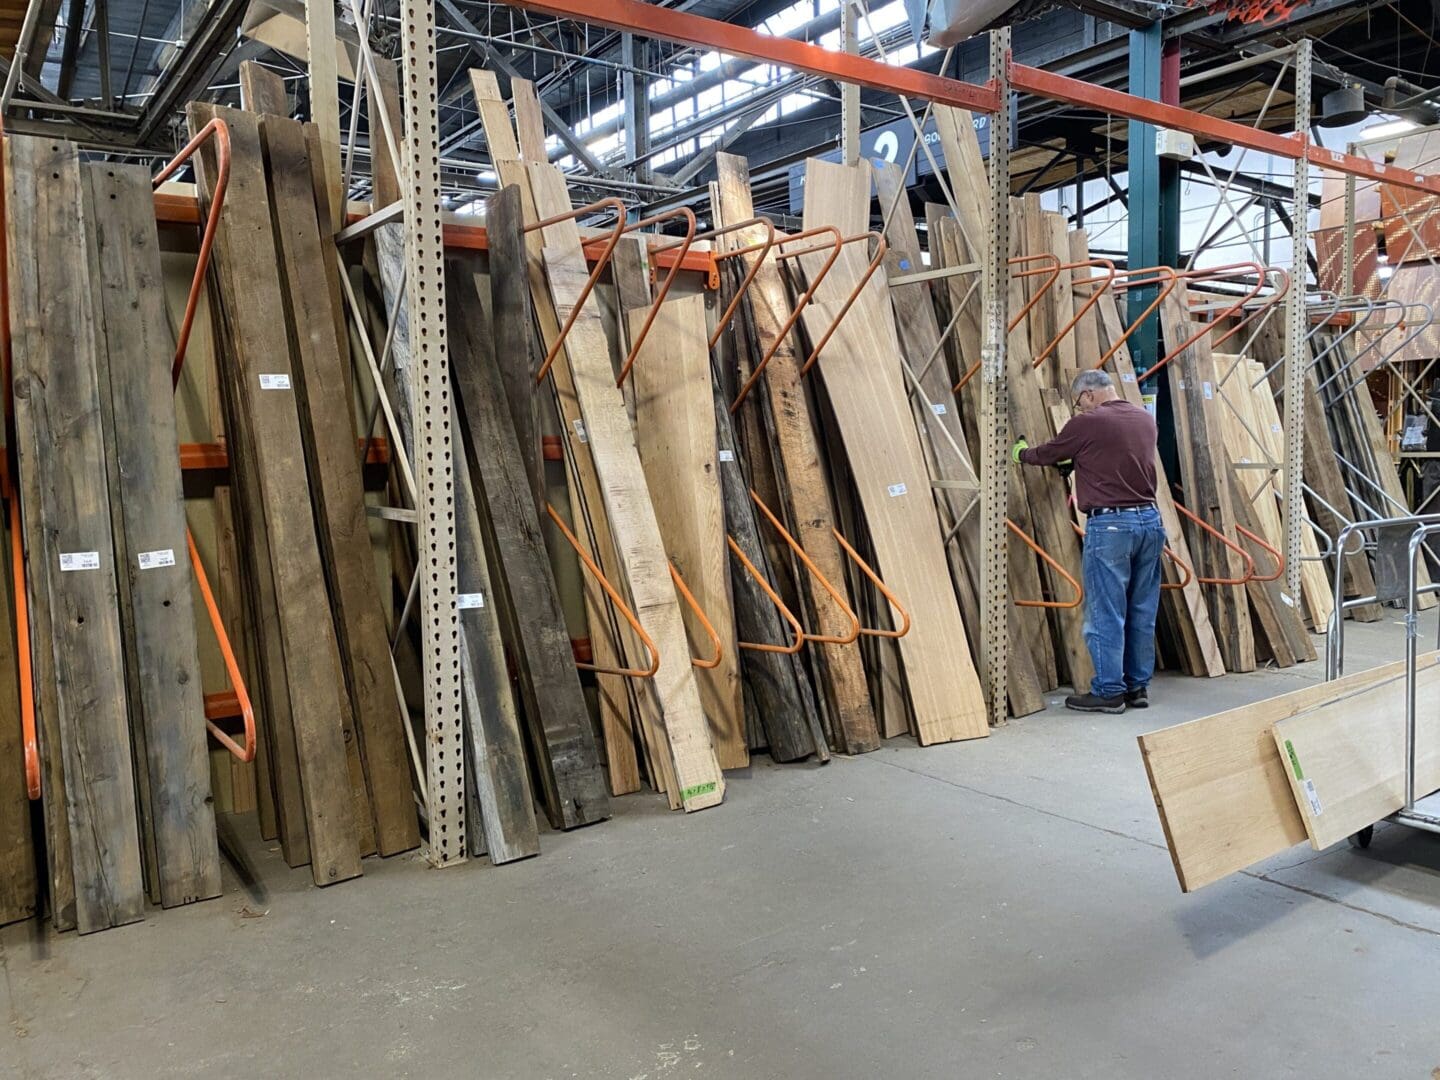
(872, 409)
(943, 435)
(803, 484)
(261, 384)
(1206, 480)
(1220, 785)
(675, 432)
(19, 885)
(1321, 472)
(1344, 759)
(61, 451)
(497, 753)
(627, 503)
(262, 90)
(328, 432)
(147, 506)
(610, 647)
(1026, 627)
(526, 600)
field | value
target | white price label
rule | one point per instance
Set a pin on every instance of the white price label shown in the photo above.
(275, 381)
(80, 560)
(1275, 428)
(1312, 796)
(468, 600)
(151, 560)
(939, 408)
(727, 455)
(1181, 382)
(580, 429)
(1128, 376)
(1285, 597)
(896, 490)
(1208, 389)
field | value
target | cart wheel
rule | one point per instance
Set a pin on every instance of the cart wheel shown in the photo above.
(1362, 838)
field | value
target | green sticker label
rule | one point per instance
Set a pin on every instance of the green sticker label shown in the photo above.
(1294, 761)
(698, 789)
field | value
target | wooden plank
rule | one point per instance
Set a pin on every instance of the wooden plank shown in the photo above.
(1184, 609)
(804, 488)
(497, 755)
(325, 100)
(1220, 786)
(328, 433)
(59, 442)
(161, 649)
(19, 884)
(888, 467)
(524, 587)
(675, 433)
(1206, 483)
(610, 647)
(1087, 330)
(1321, 472)
(1344, 760)
(262, 90)
(943, 434)
(1026, 626)
(1260, 406)
(244, 241)
(627, 503)
(384, 169)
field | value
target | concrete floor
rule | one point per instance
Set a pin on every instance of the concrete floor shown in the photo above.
(1003, 908)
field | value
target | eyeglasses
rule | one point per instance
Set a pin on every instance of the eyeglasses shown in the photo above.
(1076, 403)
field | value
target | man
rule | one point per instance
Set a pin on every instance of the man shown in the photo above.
(1111, 446)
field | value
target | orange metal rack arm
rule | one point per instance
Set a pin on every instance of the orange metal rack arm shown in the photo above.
(1181, 563)
(1249, 562)
(620, 605)
(835, 594)
(1218, 273)
(714, 661)
(1062, 605)
(785, 612)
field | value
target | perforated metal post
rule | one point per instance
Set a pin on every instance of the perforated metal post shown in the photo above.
(1348, 256)
(1297, 345)
(994, 391)
(434, 476)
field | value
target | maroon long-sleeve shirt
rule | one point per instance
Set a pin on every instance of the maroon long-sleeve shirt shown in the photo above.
(1113, 448)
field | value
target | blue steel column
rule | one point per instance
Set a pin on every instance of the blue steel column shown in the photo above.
(1154, 221)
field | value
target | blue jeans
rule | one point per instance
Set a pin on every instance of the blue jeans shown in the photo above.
(1122, 597)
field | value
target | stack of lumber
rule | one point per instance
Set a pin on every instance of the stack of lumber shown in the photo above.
(115, 679)
(333, 778)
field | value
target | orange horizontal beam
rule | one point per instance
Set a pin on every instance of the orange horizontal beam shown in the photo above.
(172, 209)
(1117, 103)
(200, 456)
(222, 706)
(650, 20)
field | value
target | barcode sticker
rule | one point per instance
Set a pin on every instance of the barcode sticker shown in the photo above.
(939, 408)
(468, 600)
(1275, 428)
(1128, 376)
(896, 490)
(1286, 598)
(580, 429)
(274, 381)
(1208, 389)
(1181, 382)
(80, 560)
(151, 560)
(727, 455)
(1312, 797)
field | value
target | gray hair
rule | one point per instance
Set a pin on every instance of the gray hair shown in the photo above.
(1090, 380)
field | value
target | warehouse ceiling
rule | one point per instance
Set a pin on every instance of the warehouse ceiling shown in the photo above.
(121, 79)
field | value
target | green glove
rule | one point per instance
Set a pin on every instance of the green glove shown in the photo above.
(1020, 444)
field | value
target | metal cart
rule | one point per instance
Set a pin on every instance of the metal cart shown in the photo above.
(1396, 544)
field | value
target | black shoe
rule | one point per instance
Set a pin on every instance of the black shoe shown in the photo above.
(1138, 699)
(1091, 703)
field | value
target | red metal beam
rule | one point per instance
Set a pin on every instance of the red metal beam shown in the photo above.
(657, 22)
(1073, 91)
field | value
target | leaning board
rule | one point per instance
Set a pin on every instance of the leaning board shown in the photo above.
(1345, 759)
